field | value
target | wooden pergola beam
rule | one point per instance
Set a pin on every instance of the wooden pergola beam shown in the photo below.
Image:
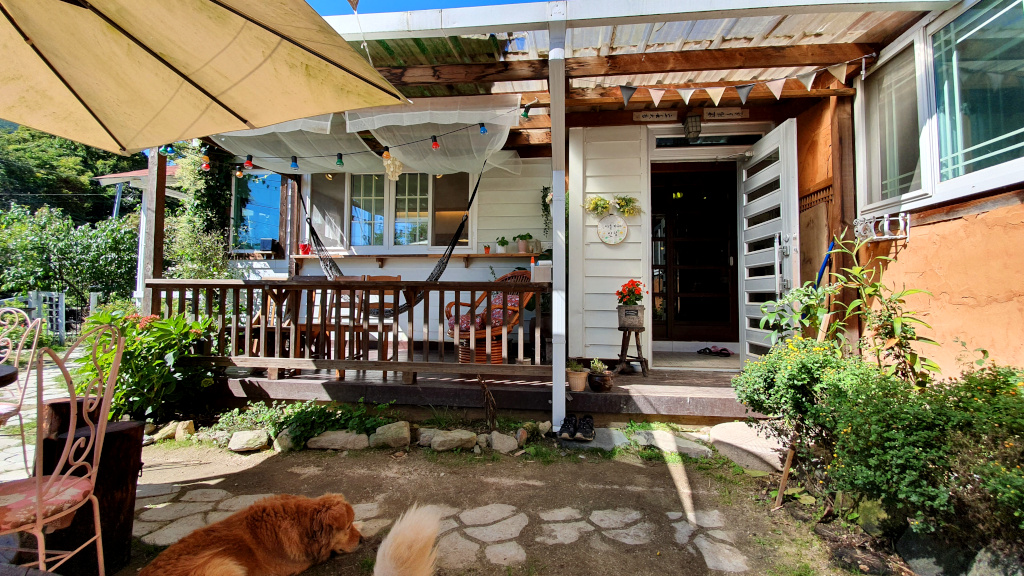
(628, 64)
(528, 138)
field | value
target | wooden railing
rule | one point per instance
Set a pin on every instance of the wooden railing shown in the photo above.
(316, 324)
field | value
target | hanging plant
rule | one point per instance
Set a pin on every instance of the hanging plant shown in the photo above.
(628, 205)
(597, 206)
(545, 208)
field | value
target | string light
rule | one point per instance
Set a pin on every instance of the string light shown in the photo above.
(162, 150)
(526, 111)
(329, 177)
(295, 163)
(248, 162)
(387, 153)
(339, 161)
(483, 129)
(206, 164)
(239, 173)
(434, 143)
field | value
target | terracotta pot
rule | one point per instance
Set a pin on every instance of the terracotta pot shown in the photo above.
(600, 382)
(631, 316)
(577, 380)
(521, 244)
(487, 249)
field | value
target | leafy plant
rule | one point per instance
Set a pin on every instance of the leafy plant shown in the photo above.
(628, 205)
(255, 416)
(153, 382)
(597, 205)
(631, 293)
(597, 367)
(545, 208)
(309, 420)
(801, 311)
(523, 236)
(575, 365)
(501, 241)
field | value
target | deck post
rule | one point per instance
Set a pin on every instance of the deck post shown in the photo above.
(151, 231)
(556, 86)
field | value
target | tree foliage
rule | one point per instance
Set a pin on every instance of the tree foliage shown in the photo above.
(38, 169)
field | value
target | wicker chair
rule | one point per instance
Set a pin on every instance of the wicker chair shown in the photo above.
(471, 327)
(47, 502)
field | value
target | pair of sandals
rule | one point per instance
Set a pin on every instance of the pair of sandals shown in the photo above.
(573, 429)
(715, 351)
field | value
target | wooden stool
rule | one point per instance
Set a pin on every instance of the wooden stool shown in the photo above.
(624, 358)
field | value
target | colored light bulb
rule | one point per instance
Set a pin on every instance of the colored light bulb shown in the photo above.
(295, 163)
(206, 159)
(162, 150)
(483, 129)
(205, 166)
(434, 143)
(387, 154)
(339, 161)
(239, 173)
(169, 150)
(248, 162)
(526, 111)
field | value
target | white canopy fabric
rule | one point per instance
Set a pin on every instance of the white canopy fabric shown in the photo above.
(125, 75)
(273, 147)
(455, 122)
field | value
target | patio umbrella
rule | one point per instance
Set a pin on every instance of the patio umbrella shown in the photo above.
(125, 75)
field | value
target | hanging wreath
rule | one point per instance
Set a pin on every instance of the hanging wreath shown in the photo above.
(597, 206)
(628, 205)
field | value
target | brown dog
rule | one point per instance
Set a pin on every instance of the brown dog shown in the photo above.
(277, 536)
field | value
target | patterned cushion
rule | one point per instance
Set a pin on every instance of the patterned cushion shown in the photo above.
(496, 299)
(18, 499)
(497, 315)
(463, 323)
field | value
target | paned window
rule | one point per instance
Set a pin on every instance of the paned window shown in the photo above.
(367, 210)
(891, 102)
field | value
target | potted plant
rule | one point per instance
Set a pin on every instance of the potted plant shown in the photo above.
(600, 377)
(487, 248)
(502, 243)
(631, 313)
(522, 241)
(576, 374)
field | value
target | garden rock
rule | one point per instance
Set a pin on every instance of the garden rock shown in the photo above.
(543, 428)
(502, 443)
(395, 435)
(184, 429)
(283, 442)
(445, 440)
(668, 442)
(339, 440)
(426, 435)
(166, 432)
(743, 445)
(522, 436)
(147, 440)
(149, 428)
(477, 449)
(248, 441)
(482, 440)
(928, 556)
(606, 439)
(991, 563)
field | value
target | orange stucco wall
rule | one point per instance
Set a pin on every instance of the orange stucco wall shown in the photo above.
(974, 268)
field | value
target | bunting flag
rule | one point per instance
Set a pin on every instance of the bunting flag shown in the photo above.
(656, 95)
(839, 71)
(776, 87)
(627, 93)
(685, 94)
(807, 79)
(354, 4)
(743, 91)
(716, 94)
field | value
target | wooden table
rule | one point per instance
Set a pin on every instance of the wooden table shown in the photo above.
(8, 375)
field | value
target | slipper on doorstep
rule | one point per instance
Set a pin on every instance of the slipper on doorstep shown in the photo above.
(723, 352)
(705, 351)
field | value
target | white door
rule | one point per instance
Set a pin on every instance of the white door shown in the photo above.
(769, 217)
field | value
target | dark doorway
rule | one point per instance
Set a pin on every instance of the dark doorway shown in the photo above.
(693, 223)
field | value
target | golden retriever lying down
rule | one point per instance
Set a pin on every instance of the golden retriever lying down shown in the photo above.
(284, 535)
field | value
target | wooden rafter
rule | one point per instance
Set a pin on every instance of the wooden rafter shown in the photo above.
(628, 64)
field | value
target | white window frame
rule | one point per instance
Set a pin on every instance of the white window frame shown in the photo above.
(389, 247)
(932, 191)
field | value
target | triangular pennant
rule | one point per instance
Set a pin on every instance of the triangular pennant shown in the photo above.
(354, 3)
(716, 94)
(744, 91)
(627, 93)
(656, 95)
(685, 94)
(776, 87)
(839, 71)
(807, 79)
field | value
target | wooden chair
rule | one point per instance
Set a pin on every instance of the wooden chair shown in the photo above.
(47, 502)
(471, 327)
(19, 336)
(384, 322)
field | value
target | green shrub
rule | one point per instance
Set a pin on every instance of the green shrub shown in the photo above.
(256, 416)
(305, 420)
(152, 382)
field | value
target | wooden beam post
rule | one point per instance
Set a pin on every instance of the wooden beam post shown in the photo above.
(843, 209)
(151, 231)
(557, 85)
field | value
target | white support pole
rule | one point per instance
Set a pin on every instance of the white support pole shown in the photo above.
(556, 86)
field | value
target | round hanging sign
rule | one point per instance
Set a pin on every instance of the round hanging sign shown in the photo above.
(611, 229)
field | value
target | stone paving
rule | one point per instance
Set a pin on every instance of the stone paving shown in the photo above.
(12, 461)
(491, 534)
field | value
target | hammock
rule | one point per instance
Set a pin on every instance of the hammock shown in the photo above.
(332, 270)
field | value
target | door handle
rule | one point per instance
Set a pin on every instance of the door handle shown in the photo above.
(778, 265)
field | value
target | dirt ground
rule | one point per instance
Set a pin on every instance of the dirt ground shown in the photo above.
(769, 543)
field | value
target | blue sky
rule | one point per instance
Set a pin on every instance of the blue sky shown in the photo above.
(335, 7)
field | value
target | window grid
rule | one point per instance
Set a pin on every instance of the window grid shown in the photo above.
(367, 210)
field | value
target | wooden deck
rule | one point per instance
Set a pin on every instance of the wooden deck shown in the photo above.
(684, 396)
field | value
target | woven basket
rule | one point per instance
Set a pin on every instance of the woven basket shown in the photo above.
(467, 356)
(631, 316)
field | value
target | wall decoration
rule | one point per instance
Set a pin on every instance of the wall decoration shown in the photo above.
(628, 205)
(612, 229)
(597, 205)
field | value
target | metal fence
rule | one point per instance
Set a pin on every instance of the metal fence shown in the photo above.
(63, 322)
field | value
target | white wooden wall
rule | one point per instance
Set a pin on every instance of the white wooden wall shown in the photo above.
(508, 205)
(605, 161)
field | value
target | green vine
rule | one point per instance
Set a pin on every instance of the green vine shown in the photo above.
(545, 208)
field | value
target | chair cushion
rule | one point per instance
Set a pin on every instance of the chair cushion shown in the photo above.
(7, 410)
(463, 323)
(18, 499)
(497, 317)
(497, 297)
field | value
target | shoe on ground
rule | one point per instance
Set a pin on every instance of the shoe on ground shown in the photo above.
(568, 429)
(585, 429)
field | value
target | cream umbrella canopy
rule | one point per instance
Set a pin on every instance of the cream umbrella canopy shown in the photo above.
(125, 75)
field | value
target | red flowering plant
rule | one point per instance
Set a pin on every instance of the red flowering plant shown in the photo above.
(631, 293)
